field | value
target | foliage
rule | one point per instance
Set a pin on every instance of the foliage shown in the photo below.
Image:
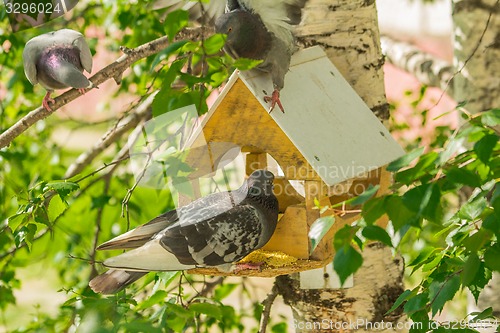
(462, 249)
(57, 222)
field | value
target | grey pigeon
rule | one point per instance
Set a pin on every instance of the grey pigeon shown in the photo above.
(57, 60)
(214, 231)
(262, 30)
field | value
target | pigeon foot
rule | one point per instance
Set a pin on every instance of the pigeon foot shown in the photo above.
(274, 99)
(256, 266)
(46, 100)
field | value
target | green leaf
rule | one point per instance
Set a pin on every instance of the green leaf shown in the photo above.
(209, 309)
(478, 240)
(319, 229)
(365, 196)
(399, 214)
(280, 328)
(433, 261)
(441, 292)
(224, 290)
(492, 223)
(344, 236)
(473, 209)
(99, 201)
(485, 146)
(452, 147)
(416, 303)
(403, 297)
(470, 269)
(405, 160)
(25, 235)
(214, 44)
(56, 207)
(463, 176)
(425, 201)
(165, 53)
(244, 64)
(485, 314)
(491, 117)
(491, 258)
(63, 188)
(374, 232)
(158, 297)
(346, 262)
(17, 220)
(373, 209)
(175, 22)
(425, 166)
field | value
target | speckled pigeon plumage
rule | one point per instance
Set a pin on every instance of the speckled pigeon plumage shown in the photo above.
(262, 30)
(56, 60)
(214, 231)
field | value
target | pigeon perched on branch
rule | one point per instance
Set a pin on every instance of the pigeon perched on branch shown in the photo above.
(262, 30)
(57, 60)
(214, 231)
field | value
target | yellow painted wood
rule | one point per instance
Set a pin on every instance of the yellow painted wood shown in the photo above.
(286, 194)
(290, 236)
(240, 120)
(255, 161)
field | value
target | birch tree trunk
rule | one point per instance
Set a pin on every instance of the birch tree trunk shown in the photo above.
(477, 53)
(348, 32)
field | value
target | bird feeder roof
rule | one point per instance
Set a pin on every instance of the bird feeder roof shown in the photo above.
(326, 125)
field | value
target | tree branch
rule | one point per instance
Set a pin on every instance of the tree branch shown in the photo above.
(114, 70)
(427, 68)
(267, 303)
(111, 136)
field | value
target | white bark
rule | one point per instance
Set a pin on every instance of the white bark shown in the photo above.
(358, 309)
(348, 32)
(427, 68)
(477, 53)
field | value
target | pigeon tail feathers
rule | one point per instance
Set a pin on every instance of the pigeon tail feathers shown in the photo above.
(149, 257)
(114, 281)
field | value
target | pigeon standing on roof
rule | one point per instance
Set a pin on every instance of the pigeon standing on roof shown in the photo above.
(262, 30)
(57, 60)
(214, 231)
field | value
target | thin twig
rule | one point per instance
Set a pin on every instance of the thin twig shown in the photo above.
(141, 112)
(267, 303)
(114, 70)
(208, 287)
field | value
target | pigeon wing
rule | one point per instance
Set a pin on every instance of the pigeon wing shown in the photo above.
(222, 239)
(31, 53)
(85, 55)
(142, 234)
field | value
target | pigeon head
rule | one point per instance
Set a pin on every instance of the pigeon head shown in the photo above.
(260, 183)
(247, 36)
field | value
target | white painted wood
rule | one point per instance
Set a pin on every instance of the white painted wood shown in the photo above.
(325, 118)
(323, 278)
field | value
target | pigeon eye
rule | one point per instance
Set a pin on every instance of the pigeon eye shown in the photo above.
(229, 29)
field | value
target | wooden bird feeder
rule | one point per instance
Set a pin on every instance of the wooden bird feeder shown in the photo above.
(327, 138)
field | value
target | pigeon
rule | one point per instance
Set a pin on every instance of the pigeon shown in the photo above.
(262, 30)
(217, 230)
(57, 60)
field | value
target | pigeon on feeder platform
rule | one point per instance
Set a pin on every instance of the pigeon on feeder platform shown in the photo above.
(214, 231)
(262, 30)
(57, 60)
